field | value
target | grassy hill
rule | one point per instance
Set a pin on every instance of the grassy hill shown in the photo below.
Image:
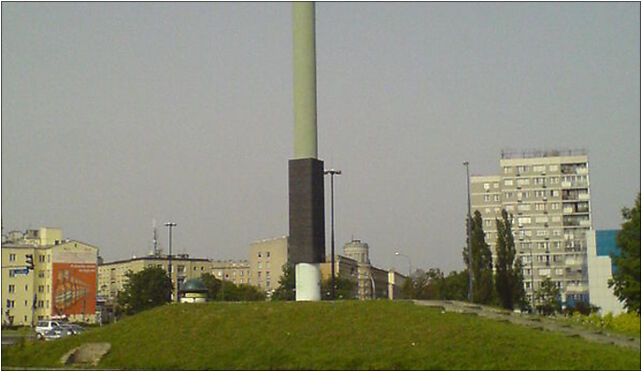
(347, 335)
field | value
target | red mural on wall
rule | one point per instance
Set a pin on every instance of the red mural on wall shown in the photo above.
(74, 288)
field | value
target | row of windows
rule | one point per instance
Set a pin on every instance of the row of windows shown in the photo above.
(40, 304)
(536, 168)
(41, 258)
(267, 254)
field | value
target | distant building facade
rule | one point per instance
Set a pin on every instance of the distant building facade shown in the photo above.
(235, 271)
(267, 258)
(548, 195)
(112, 275)
(371, 282)
(600, 245)
(62, 282)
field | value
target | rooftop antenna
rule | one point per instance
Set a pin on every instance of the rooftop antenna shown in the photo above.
(155, 248)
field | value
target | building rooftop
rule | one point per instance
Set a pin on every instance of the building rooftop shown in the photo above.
(540, 153)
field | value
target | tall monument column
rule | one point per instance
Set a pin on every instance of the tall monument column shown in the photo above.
(305, 171)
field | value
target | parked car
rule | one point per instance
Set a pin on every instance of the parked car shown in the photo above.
(46, 325)
(77, 329)
(51, 334)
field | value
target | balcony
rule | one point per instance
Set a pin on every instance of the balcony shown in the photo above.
(585, 196)
(574, 262)
(576, 288)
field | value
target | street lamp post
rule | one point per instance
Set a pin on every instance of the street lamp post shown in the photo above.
(469, 233)
(409, 264)
(170, 225)
(332, 173)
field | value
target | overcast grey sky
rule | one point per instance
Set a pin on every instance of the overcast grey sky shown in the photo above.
(117, 113)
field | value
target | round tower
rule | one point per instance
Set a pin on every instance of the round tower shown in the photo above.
(357, 250)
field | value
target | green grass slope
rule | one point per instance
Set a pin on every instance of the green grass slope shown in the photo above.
(349, 335)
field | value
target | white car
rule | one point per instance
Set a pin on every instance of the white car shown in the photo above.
(46, 325)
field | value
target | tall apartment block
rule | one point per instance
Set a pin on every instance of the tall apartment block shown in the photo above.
(547, 193)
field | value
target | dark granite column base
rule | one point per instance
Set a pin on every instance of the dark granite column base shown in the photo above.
(307, 218)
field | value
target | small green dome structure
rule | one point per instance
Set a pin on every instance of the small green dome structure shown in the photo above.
(193, 291)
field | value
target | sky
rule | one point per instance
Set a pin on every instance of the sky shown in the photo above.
(116, 114)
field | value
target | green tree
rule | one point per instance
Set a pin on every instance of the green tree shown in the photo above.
(285, 291)
(547, 298)
(455, 286)
(482, 266)
(213, 285)
(344, 288)
(508, 270)
(626, 279)
(145, 289)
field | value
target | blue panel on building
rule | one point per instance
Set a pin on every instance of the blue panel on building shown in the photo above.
(605, 244)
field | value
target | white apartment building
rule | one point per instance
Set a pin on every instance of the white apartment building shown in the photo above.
(547, 193)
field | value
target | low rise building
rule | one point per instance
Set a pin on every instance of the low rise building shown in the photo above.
(235, 271)
(600, 244)
(62, 281)
(112, 275)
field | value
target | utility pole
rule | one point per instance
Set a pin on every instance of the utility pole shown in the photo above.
(332, 173)
(469, 233)
(170, 225)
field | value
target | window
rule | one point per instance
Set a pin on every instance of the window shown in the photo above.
(496, 197)
(540, 193)
(508, 195)
(26, 287)
(41, 304)
(555, 206)
(12, 274)
(508, 182)
(559, 271)
(258, 275)
(41, 258)
(539, 168)
(41, 288)
(523, 181)
(267, 265)
(241, 274)
(527, 194)
(10, 304)
(41, 274)
(259, 254)
(267, 275)
(541, 233)
(495, 185)
(524, 207)
(522, 168)
(12, 257)
(486, 186)
(486, 198)
(507, 170)
(554, 180)
(267, 254)
(540, 207)
(541, 219)
(260, 266)
(553, 168)
(267, 283)
(202, 268)
(510, 208)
